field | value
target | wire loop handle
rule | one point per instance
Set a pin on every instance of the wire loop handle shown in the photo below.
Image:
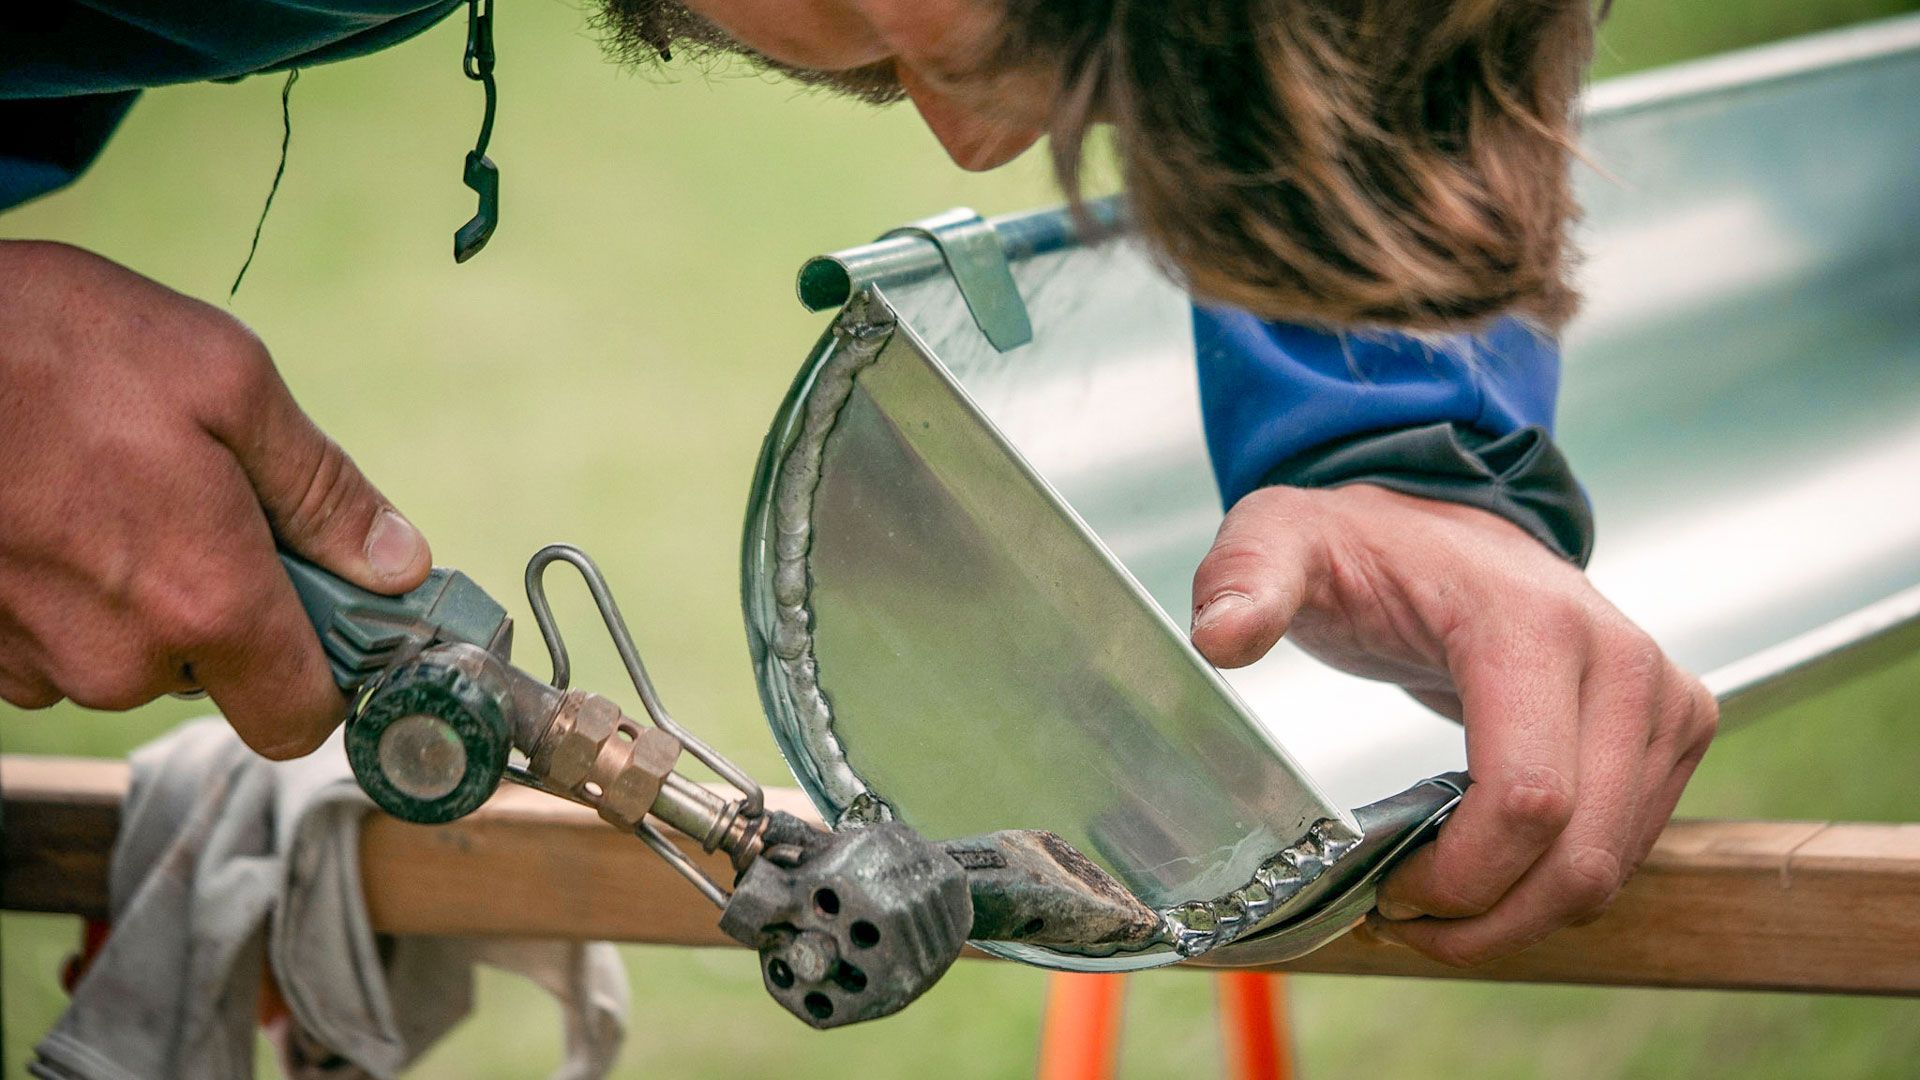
(646, 831)
(629, 656)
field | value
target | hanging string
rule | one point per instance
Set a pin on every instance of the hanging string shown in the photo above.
(286, 137)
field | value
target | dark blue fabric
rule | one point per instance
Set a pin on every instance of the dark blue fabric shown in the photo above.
(69, 68)
(46, 142)
(1270, 391)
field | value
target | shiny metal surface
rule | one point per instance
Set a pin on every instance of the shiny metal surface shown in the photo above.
(1742, 398)
(423, 756)
(979, 647)
(1743, 391)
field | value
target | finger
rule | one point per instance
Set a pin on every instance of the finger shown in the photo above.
(319, 503)
(26, 689)
(1267, 560)
(112, 679)
(1519, 691)
(1580, 875)
(269, 676)
(1668, 773)
(97, 655)
(244, 638)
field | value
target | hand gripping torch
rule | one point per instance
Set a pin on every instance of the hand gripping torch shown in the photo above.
(849, 926)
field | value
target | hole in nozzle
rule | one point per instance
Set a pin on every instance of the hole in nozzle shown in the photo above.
(827, 902)
(819, 1006)
(850, 978)
(865, 934)
(780, 973)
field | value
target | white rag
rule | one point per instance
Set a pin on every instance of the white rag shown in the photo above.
(224, 860)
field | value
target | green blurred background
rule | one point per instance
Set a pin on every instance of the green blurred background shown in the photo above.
(603, 374)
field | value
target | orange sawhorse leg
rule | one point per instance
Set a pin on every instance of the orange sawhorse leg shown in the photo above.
(1253, 1025)
(1080, 1038)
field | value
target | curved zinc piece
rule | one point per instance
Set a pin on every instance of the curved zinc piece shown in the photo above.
(929, 617)
(963, 566)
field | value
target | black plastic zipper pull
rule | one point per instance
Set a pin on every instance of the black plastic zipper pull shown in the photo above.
(480, 175)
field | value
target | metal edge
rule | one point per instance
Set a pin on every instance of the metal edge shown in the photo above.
(1747, 69)
(1881, 633)
(828, 281)
(835, 795)
(1389, 829)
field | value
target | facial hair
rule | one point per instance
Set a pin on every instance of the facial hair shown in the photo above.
(648, 33)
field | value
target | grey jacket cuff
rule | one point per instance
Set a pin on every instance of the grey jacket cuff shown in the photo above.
(1521, 476)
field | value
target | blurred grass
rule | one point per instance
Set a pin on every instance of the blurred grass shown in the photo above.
(603, 374)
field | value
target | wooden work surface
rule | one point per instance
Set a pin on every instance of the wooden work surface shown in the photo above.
(1743, 904)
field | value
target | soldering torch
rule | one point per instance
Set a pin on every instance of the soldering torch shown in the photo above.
(849, 925)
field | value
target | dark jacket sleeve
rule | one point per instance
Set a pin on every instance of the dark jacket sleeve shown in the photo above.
(47, 142)
(1521, 476)
(70, 69)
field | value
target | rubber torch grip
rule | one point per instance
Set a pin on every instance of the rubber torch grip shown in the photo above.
(429, 734)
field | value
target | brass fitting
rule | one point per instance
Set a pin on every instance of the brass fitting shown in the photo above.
(607, 760)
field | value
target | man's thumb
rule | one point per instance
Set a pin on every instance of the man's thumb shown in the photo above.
(1263, 566)
(324, 509)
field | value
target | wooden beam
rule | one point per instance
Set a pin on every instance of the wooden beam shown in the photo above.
(58, 818)
(530, 864)
(1751, 905)
(1722, 904)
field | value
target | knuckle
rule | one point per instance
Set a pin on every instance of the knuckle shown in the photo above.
(280, 745)
(1692, 718)
(110, 688)
(1627, 654)
(1561, 620)
(1634, 645)
(207, 610)
(29, 696)
(234, 355)
(233, 367)
(1705, 718)
(1538, 803)
(1592, 878)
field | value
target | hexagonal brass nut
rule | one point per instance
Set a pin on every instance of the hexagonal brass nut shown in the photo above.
(628, 794)
(583, 722)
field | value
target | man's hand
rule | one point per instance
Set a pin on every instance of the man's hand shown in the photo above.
(151, 457)
(1580, 732)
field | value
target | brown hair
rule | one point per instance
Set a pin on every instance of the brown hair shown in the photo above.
(1388, 162)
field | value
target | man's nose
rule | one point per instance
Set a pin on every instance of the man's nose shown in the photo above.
(974, 140)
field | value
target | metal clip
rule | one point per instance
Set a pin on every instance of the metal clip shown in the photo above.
(972, 252)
